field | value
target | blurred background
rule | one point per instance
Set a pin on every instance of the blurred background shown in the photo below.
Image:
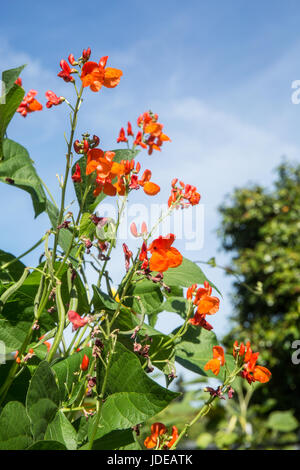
(220, 75)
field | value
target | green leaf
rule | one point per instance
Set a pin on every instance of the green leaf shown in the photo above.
(9, 101)
(131, 396)
(66, 369)
(176, 304)
(195, 349)
(53, 213)
(65, 238)
(150, 296)
(12, 272)
(10, 76)
(115, 440)
(15, 321)
(91, 202)
(186, 274)
(18, 167)
(282, 421)
(42, 399)
(61, 430)
(15, 431)
(20, 385)
(47, 445)
(103, 301)
(87, 228)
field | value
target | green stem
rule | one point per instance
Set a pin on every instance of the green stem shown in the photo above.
(68, 156)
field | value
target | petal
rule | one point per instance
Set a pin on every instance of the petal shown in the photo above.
(149, 442)
(208, 305)
(158, 261)
(213, 365)
(174, 257)
(93, 158)
(35, 106)
(262, 374)
(112, 77)
(109, 189)
(157, 429)
(218, 353)
(151, 188)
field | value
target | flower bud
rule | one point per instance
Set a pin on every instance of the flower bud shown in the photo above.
(72, 60)
(133, 230)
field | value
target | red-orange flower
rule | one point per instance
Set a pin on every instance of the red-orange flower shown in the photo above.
(65, 72)
(76, 177)
(53, 100)
(251, 371)
(29, 104)
(184, 196)
(205, 302)
(152, 135)
(158, 430)
(164, 256)
(122, 137)
(217, 361)
(97, 75)
(76, 320)
(149, 187)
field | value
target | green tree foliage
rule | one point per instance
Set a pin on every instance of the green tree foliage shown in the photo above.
(261, 230)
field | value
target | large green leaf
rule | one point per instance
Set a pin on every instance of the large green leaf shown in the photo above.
(17, 169)
(195, 349)
(103, 301)
(131, 396)
(47, 445)
(176, 304)
(186, 274)
(20, 385)
(15, 321)
(15, 431)
(9, 100)
(91, 202)
(282, 421)
(61, 430)
(115, 440)
(150, 297)
(42, 399)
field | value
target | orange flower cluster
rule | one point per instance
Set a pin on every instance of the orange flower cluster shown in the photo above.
(205, 302)
(150, 136)
(244, 356)
(185, 193)
(29, 104)
(95, 75)
(159, 437)
(125, 172)
(251, 372)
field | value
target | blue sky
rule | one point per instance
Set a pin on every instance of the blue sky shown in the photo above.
(219, 75)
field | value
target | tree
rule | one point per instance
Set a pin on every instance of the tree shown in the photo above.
(261, 230)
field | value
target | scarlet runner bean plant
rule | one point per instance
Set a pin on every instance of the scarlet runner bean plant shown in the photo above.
(93, 391)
